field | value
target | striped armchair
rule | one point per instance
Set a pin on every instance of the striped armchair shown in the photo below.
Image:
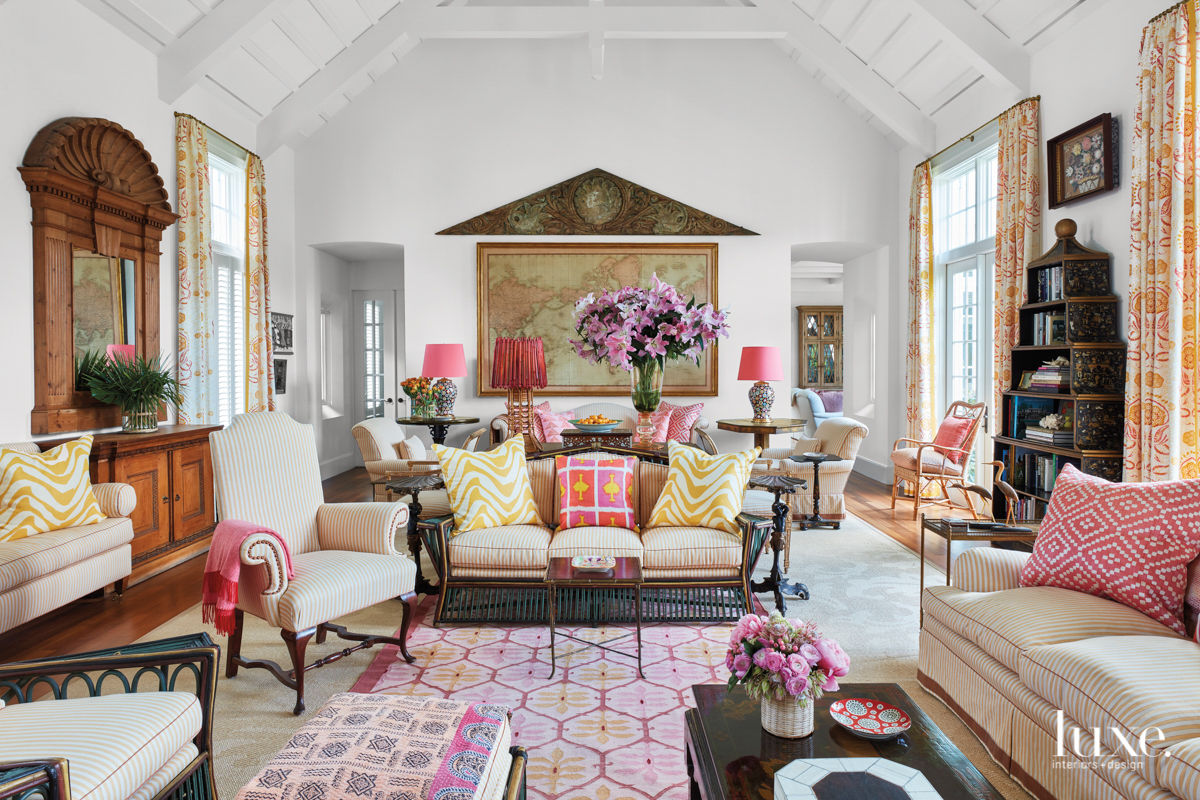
(841, 436)
(385, 452)
(344, 554)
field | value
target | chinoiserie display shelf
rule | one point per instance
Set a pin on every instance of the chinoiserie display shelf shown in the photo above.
(1097, 365)
(170, 470)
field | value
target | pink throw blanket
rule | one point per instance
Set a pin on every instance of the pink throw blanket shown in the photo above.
(224, 566)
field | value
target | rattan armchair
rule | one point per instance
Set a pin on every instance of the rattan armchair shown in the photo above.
(923, 464)
(72, 763)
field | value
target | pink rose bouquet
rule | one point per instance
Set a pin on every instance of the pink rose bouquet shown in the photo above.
(782, 658)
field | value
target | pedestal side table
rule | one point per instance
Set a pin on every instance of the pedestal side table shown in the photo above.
(814, 519)
(762, 430)
(438, 426)
(776, 583)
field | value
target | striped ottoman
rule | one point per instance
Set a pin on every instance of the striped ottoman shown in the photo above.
(378, 746)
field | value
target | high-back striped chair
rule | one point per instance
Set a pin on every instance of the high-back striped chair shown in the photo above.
(344, 554)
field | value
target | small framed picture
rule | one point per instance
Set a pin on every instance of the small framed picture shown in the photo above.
(280, 376)
(1026, 380)
(281, 333)
(1058, 328)
(1083, 161)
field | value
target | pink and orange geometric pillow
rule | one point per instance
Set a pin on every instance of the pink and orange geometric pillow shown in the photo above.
(595, 493)
(1128, 542)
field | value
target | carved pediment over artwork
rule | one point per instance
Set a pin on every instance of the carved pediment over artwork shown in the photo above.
(101, 152)
(596, 203)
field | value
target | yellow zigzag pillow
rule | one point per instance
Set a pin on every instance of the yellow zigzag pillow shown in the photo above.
(703, 491)
(488, 489)
(46, 492)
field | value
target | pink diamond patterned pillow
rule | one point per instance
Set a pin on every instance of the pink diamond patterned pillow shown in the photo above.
(552, 424)
(662, 423)
(682, 420)
(1128, 542)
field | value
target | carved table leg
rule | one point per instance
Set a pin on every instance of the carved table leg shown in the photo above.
(423, 586)
(776, 583)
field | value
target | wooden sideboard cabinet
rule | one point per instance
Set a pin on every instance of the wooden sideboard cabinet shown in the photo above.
(171, 471)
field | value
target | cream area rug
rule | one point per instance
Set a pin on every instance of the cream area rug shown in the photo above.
(865, 594)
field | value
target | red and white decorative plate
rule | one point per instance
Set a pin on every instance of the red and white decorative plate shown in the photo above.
(870, 719)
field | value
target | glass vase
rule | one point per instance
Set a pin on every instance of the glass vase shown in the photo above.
(646, 380)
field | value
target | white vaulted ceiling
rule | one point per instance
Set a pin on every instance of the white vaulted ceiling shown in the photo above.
(292, 64)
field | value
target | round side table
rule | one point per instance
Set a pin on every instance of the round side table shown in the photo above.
(438, 426)
(413, 485)
(776, 583)
(814, 520)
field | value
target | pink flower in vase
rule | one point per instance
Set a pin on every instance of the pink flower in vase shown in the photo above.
(834, 660)
(774, 662)
(810, 654)
(741, 664)
(797, 686)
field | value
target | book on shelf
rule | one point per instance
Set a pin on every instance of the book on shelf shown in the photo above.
(1049, 285)
(1025, 411)
(1050, 436)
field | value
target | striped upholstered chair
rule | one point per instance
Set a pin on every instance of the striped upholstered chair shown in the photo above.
(385, 452)
(344, 554)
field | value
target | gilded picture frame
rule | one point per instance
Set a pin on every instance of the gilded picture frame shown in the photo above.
(530, 289)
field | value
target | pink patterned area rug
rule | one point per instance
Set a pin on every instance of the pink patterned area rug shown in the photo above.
(596, 731)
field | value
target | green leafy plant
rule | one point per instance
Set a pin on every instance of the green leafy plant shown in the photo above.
(135, 384)
(86, 366)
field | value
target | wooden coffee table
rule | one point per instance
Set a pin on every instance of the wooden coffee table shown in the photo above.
(626, 575)
(730, 756)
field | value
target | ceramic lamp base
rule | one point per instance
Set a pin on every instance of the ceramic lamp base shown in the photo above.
(762, 397)
(446, 397)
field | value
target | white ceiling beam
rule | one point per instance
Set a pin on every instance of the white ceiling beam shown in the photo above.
(334, 25)
(818, 45)
(222, 31)
(1001, 60)
(132, 21)
(202, 5)
(1055, 21)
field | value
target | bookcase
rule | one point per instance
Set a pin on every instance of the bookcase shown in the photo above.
(1069, 312)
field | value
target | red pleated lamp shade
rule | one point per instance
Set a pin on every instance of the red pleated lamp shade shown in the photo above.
(760, 364)
(519, 363)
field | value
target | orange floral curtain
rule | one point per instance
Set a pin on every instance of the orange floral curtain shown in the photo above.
(1018, 232)
(197, 304)
(1161, 400)
(919, 359)
(260, 366)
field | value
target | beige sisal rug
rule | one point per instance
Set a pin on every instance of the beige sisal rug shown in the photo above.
(864, 594)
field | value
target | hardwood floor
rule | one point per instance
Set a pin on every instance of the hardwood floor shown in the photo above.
(94, 623)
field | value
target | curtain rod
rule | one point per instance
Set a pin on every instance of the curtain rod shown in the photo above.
(223, 136)
(971, 135)
(1168, 11)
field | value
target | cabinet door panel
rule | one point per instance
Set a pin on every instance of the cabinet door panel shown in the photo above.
(150, 477)
(192, 485)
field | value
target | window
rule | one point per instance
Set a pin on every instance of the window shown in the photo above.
(964, 219)
(373, 354)
(326, 362)
(228, 187)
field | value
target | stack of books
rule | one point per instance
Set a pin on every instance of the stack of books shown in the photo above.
(1051, 379)
(1056, 438)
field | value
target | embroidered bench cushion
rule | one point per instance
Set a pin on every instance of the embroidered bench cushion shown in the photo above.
(376, 745)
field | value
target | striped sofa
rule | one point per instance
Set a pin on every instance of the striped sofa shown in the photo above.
(496, 574)
(1020, 664)
(41, 573)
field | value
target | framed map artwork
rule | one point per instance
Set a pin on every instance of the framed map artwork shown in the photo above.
(531, 290)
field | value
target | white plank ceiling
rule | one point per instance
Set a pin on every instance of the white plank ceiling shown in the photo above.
(290, 65)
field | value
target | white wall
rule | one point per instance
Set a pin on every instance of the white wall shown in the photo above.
(732, 128)
(58, 60)
(869, 374)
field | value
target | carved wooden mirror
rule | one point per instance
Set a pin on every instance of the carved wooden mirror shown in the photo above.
(99, 210)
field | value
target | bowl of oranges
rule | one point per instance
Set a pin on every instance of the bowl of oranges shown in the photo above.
(596, 423)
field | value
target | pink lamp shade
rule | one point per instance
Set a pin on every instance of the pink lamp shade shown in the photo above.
(444, 361)
(519, 363)
(760, 364)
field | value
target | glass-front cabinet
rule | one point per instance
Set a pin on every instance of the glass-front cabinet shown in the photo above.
(820, 347)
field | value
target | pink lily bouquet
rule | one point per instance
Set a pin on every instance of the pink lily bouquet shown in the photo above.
(784, 658)
(633, 325)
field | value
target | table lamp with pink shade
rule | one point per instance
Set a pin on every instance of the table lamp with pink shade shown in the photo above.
(444, 361)
(761, 364)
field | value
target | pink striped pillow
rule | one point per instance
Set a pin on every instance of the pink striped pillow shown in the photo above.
(682, 420)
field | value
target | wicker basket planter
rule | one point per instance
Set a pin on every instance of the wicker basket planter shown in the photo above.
(787, 718)
(140, 422)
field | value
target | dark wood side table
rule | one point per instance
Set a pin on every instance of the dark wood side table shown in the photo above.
(619, 437)
(413, 485)
(814, 520)
(762, 430)
(776, 583)
(438, 427)
(627, 574)
(730, 757)
(964, 533)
